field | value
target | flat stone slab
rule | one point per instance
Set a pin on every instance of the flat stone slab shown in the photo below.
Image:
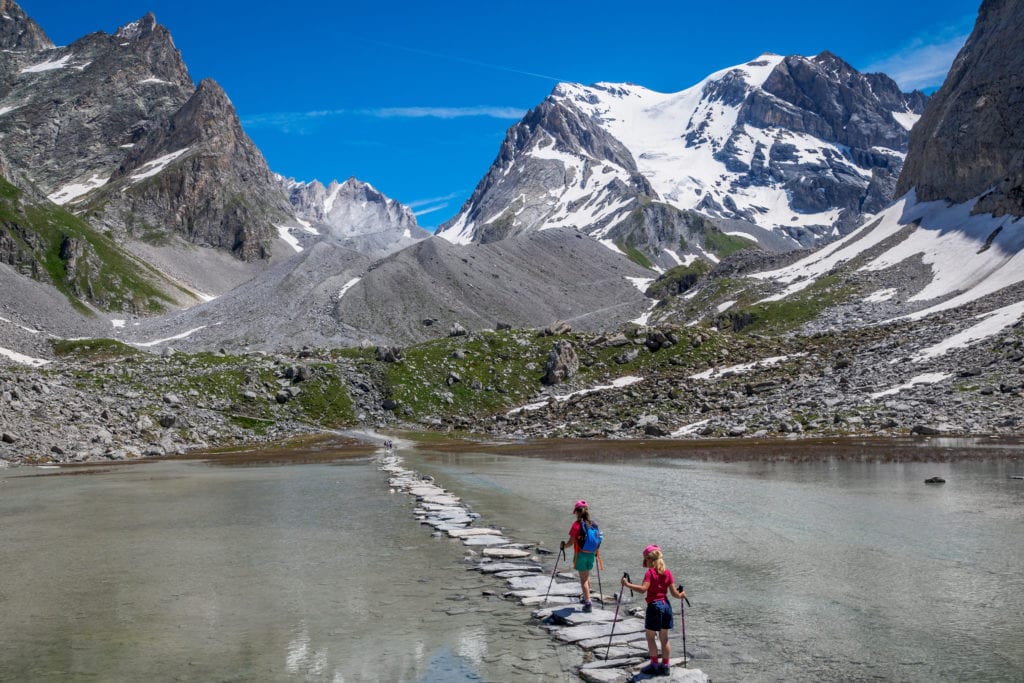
(534, 600)
(506, 553)
(575, 634)
(495, 567)
(511, 574)
(446, 524)
(485, 540)
(474, 531)
(628, 642)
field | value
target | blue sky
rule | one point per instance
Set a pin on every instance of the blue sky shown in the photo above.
(415, 97)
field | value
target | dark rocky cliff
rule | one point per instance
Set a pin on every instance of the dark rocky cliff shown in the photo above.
(970, 140)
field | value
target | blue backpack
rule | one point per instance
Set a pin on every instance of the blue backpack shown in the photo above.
(590, 537)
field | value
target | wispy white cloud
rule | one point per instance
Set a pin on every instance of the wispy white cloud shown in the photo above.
(433, 200)
(432, 209)
(512, 113)
(302, 122)
(924, 61)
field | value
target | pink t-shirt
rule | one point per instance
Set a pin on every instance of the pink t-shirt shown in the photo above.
(657, 585)
(575, 531)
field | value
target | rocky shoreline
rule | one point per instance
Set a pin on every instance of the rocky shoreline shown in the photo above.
(101, 400)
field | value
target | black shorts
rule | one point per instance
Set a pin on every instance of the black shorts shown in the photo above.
(659, 616)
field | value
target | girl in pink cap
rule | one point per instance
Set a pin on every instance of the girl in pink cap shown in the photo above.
(582, 535)
(658, 583)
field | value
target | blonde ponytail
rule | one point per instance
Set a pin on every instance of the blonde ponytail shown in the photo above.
(655, 561)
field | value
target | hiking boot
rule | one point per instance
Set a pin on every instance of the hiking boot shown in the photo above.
(664, 670)
(651, 669)
(588, 607)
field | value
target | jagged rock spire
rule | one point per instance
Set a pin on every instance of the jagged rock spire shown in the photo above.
(18, 31)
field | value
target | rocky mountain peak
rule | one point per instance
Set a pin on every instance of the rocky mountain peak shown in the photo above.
(139, 29)
(355, 214)
(18, 31)
(799, 146)
(970, 140)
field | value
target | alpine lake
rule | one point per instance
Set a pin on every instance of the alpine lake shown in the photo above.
(803, 560)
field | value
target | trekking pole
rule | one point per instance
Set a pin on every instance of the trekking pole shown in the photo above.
(682, 620)
(600, 591)
(618, 600)
(555, 569)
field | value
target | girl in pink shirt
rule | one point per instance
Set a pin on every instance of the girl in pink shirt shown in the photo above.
(658, 583)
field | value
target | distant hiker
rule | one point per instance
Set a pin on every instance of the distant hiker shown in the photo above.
(658, 582)
(586, 540)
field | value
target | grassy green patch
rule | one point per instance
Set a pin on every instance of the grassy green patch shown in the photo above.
(104, 274)
(324, 400)
(722, 245)
(678, 280)
(92, 349)
(791, 312)
(255, 425)
(634, 254)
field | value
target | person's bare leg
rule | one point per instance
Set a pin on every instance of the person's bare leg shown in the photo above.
(666, 647)
(652, 647)
(585, 585)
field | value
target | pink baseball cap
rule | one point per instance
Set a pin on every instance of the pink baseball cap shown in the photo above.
(650, 549)
(579, 504)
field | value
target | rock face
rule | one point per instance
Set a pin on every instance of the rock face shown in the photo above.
(355, 215)
(970, 140)
(18, 31)
(795, 146)
(112, 127)
(200, 174)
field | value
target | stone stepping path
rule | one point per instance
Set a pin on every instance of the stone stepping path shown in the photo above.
(559, 609)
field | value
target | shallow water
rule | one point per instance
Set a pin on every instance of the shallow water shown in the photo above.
(829, 570)
(826, 570)
(183, 571)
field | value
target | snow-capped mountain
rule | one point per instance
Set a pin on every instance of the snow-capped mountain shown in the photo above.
(354, 214)
(799, 146)
(950, 250)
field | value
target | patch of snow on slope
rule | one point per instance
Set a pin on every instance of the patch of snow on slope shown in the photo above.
(73, 191)
(4, 110)
(992, 323)
(880, 295)
(691, 428)
(117, 322)
(285, 233)
(926, 378)
(744, 367)
(22, 358)
(952, 241)
(803, 273)
(907, 119)
(151, 168)
(11, 322)
(726, 305)
(460, 232)
(48, 65)
(641, 283)
(617, 383)
(348, 285)
(156, 342)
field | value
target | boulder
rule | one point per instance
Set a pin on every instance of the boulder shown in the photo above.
(562, 363)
